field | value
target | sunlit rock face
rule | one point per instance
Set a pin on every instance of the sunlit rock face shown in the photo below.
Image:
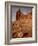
(22, 27)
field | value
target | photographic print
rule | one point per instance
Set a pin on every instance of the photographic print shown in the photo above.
(20, 22)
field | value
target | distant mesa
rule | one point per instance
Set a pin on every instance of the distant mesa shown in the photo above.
(19, 15)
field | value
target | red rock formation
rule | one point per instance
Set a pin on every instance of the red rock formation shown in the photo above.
(18, 14)
(22, 27)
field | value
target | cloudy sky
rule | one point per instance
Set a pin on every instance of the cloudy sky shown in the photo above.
(24, 10)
